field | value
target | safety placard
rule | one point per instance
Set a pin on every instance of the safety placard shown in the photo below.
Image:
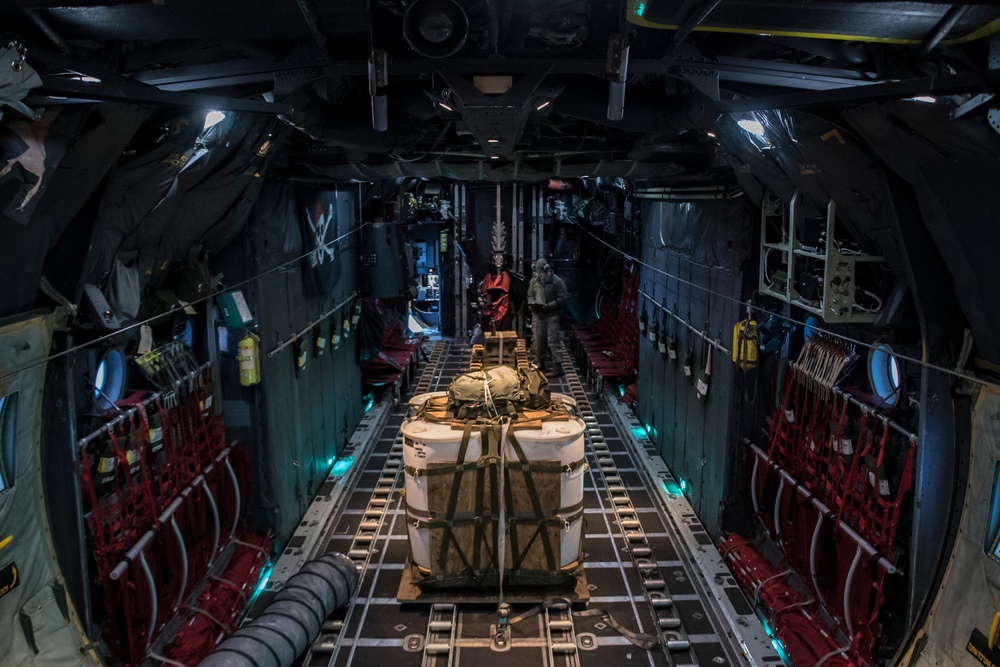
(979, 646)
(9, 579)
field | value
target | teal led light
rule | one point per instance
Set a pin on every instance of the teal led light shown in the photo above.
(621, 390)
(780, 648)
(671, 488)
(640, 9)
(684, 485)
(265, 576)
(370, 402)
(639, 432)
(341, 467)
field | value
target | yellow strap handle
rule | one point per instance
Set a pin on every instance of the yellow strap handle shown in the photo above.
(994, 630)
(10, 538)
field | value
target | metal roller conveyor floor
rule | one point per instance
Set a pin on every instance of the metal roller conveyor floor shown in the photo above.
(644, 557)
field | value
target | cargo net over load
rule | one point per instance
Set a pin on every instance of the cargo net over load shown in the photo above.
(494, 483)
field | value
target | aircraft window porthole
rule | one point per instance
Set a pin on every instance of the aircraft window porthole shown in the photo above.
(8, 441)
(884, 374)
(109, 379)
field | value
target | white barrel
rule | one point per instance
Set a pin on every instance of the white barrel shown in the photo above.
(567, 401)
(431, 442)
(418, 401)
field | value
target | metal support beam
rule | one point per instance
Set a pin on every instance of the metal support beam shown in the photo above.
(941, 30)
(134, 92)
(747, 70)
(308, 10)
(988, 81)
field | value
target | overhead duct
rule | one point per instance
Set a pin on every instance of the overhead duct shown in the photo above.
(435, 28)
(293, 620)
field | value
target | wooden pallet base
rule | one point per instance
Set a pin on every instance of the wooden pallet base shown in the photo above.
(576, 591)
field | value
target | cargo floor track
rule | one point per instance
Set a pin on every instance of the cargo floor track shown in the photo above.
(649, 563)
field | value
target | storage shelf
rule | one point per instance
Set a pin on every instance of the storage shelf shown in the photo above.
(826, 266)
(809, 253)
(805, 306)
(776, 295)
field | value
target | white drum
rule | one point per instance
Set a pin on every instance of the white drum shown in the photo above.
(568, 401)
(431, 442)
(418, 401)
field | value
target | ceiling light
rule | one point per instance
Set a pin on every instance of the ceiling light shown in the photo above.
(213, 118)
(445, 106)
(496, 84)
(493, 141)
(494, 157)
(924, 98)
(543, 105)
(88, 79)
(711, 134)
(752, 126)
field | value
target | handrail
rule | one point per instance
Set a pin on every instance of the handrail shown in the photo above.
(182, 547)
(215, 511)
(236, 491)
(874, 412)
(704, 335)
(868, 549)
(308, 328)
(131, 412)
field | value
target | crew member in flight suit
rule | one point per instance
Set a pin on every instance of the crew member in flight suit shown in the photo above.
(547, 296)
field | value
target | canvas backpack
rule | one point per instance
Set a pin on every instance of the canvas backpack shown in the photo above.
(486, 393)
(534, 384)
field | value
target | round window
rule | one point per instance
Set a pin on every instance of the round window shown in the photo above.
(8, 440)
(884, 374)
(109, 379)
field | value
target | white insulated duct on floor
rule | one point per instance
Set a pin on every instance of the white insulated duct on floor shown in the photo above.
(293, 619)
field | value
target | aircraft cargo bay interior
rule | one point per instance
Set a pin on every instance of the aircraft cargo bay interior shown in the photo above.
(489, 332)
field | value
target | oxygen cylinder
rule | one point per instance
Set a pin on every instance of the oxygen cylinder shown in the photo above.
(745, 344)
(249, 359)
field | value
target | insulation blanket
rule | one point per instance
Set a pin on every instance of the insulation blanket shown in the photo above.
(33, 632)
(968, 594)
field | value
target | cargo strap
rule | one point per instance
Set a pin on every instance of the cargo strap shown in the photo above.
(490, 438)
(536, 506)
(429, 519)
(567, 468)
(642, 640)
(435, 410)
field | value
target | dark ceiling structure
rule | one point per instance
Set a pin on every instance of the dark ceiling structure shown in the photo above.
(443, 87)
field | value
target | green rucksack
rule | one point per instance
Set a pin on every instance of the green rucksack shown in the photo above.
(487, 393)
(534, 384)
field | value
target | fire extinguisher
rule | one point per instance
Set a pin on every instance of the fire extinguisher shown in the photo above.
(249, 359)
(745, 343)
